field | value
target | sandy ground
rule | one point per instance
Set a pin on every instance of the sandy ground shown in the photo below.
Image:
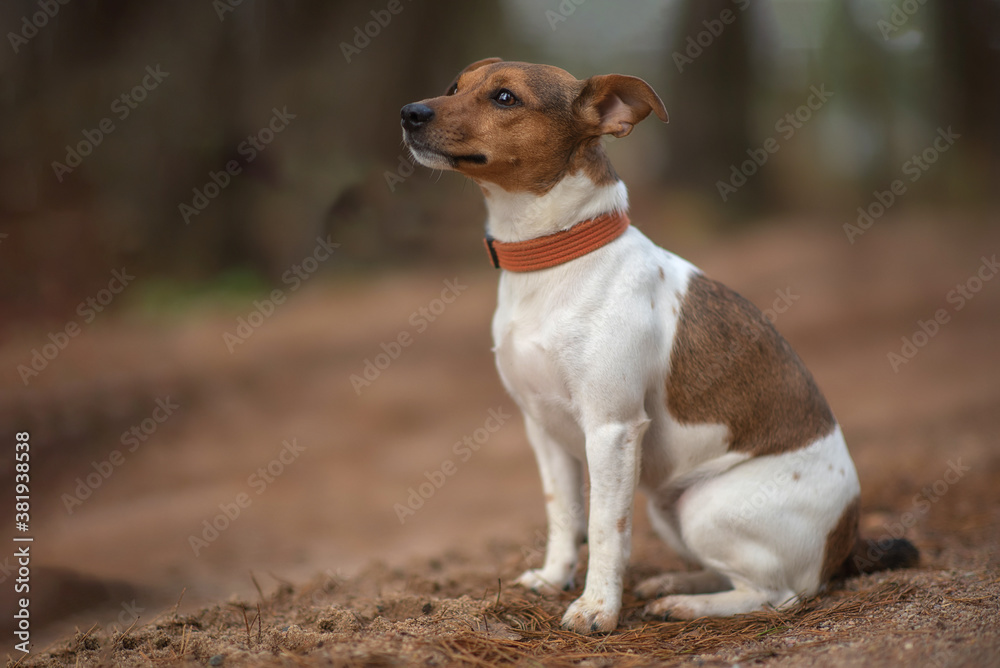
(318, 473)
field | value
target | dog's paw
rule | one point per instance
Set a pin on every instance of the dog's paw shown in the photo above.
(671, 607)
(657, 586)
(545, 583)
(585, 616)
(694, 582)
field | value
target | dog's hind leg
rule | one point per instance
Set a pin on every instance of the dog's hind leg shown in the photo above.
(694, 582)
(721, 604)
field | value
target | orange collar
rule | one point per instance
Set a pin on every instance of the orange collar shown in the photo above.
(554, 249)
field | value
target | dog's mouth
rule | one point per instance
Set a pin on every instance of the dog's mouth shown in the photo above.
(474, 158)
(437, 159)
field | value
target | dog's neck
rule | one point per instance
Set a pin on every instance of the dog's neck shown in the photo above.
(519, 216)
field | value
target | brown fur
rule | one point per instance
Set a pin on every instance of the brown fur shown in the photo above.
(488, 142)
(730, 366)
(840, 541)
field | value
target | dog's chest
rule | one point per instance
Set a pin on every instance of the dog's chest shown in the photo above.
(533, 358)
(594, 336)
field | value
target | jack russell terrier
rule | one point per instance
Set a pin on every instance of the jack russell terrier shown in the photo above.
(625, 357)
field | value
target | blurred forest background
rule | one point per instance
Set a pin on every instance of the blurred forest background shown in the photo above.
(207, 148)
(897, 70)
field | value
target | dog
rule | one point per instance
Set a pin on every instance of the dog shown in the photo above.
(625, 357)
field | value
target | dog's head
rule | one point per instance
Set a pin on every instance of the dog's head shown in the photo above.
(523, 126)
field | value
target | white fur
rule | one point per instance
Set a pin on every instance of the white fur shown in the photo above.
(584, 350)
(763, 525)
(428, 158)
(521, 216)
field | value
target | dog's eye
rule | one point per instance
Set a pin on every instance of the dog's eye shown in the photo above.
(505, 98)
(452, 89)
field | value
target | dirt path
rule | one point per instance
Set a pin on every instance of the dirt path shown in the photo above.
(326, 474)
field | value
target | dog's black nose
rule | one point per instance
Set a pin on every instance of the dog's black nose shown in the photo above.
(416, 115)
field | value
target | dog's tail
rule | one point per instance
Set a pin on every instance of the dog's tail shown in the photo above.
(869, 556)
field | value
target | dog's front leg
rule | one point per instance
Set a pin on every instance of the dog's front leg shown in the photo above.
(562, 483)
(613, 455)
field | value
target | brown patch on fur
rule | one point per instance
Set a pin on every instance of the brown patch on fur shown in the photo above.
(622, 524)
(591, 159)
(730, 366)
(841, 540)
(611, 104)
(662, 276)
(500, 144)
(796, 475)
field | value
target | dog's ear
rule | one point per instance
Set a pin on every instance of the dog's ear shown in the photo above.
(611, 104)
(474, 66)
